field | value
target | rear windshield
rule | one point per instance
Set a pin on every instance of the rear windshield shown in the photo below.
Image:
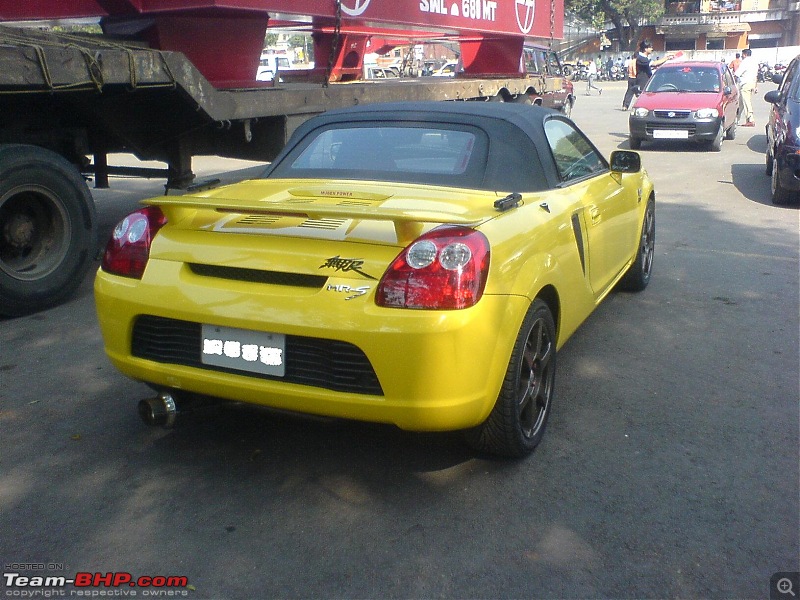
(406, 152)
(685, 79)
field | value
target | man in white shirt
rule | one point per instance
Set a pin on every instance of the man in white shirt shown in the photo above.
(747, 74)
(591, 75)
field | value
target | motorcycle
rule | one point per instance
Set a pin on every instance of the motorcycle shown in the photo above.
(618, 73)
(765, 72)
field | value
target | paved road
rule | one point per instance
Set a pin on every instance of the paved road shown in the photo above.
(670, 466)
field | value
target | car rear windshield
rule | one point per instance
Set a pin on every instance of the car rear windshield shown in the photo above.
(685, 79)
(409, 153)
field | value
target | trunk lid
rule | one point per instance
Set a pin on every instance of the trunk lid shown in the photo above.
(318, 228)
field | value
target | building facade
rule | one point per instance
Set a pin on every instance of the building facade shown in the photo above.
(726, 25)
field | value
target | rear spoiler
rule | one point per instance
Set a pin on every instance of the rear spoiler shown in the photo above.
(408, 224)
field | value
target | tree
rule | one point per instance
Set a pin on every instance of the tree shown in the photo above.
(627, 16)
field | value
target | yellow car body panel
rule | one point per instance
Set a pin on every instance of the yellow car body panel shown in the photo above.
(437, 369)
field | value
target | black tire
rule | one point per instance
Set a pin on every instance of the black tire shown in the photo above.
(780, 195)
(517, 422)
(768, 161)
(730, 133)
(715, 145)
(635, 142)
(48, 231)
(640, 272)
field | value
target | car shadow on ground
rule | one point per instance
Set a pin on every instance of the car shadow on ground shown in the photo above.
(752, 183)
(257, 435)
(752, 179)
(663, 146)
(756, 143)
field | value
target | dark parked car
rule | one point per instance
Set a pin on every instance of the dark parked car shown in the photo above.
(783, 141)
(689, 101)
(558, 92)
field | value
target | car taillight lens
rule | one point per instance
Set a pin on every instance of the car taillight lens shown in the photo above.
(444, 269)
(128, 249)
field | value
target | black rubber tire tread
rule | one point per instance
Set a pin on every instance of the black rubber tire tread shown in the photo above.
(636, 280)
(23, 165)
(635, 143)
(501, 434)
(730, 133)
(716, 144)
(780, 195)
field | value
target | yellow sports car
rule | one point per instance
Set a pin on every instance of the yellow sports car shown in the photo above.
(408, 263)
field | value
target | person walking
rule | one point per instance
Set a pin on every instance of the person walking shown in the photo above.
(640, 70)
(735, 63)
(747, 74)
(633, 90)
(591, 75)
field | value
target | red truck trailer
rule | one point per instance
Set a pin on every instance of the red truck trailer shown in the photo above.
(171, 79)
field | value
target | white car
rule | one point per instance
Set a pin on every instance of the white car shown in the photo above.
(376, 72)
(448, 69)
(271, 64)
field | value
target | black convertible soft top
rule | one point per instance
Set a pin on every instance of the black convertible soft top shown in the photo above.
(518, 157)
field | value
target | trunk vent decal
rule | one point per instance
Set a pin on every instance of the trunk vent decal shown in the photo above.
(329, 224)
(259, 219)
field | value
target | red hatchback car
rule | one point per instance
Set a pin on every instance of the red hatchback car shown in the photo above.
(689, 101)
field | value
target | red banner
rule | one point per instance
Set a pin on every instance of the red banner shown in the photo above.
(528, 18)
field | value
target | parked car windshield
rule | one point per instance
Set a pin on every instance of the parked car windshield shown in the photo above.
(685, 78)
(408, 152)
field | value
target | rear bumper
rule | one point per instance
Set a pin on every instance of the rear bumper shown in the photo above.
(438, 370)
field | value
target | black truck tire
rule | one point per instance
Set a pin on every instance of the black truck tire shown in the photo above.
(48, 230)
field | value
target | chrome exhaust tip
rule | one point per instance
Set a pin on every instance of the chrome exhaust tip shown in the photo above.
(159, 411)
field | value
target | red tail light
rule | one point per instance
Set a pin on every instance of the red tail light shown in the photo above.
(128, 249)
(444, 269)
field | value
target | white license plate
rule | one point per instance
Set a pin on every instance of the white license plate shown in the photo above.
(671, 134)
(244, 350)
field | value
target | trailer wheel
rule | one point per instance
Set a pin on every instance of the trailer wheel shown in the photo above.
(47, 229)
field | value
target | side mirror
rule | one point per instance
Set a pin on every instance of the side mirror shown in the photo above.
(773, 96)
(626, 161)
(727, 90)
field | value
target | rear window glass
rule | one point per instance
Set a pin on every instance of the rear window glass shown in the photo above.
(403, 152)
